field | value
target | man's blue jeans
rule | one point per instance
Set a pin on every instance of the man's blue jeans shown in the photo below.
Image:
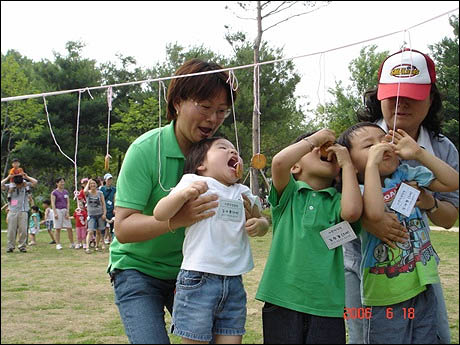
(141, 301)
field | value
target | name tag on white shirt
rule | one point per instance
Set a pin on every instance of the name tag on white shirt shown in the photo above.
(338, 234)
(232, 210)
(405, 199)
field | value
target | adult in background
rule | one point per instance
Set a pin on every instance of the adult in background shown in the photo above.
(109, 195)
(411, 75)
(60, 203)
(146, 254)
(18, 206)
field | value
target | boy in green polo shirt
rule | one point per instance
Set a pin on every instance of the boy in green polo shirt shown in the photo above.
(303, 282)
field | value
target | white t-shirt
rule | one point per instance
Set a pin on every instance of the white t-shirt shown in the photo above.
(50, 214)
(219, 244)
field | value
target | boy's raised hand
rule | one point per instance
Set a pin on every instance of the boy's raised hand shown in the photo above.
(377, 151)
(321, 137)
(405, 146)
(341, 153)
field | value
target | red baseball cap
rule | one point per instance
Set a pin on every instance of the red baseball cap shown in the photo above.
(407, 73)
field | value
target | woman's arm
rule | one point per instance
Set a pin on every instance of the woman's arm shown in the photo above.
(104, 209)
(133, 226)
(168, 206)
(53, 205)
(67, 213)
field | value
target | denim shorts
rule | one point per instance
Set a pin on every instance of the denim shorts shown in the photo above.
(410, 322)
(96, 223)
(49, 225)
(207, 304)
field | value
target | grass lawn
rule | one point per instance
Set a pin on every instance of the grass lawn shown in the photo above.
(51, 296)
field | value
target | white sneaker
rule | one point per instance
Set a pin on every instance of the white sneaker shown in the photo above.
(77, 246)
(58, 247)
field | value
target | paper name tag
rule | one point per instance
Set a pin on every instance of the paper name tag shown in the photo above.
(231, 210)
(338, 234)
(405, 199)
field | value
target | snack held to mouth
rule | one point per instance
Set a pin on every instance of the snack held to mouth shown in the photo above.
(323, 149)
(258, 161)
(239, 170)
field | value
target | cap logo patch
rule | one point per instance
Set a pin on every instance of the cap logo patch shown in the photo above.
(404, 71)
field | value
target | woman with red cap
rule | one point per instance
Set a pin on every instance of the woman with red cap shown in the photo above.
(406, 98)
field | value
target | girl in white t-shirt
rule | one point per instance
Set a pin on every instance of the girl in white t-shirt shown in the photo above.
(210, 299)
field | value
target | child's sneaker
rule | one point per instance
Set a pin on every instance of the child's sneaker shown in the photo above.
(58, 247)
(77, 246)
(84, 246)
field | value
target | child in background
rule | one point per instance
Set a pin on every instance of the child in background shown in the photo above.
(397, 282)
(81, 195)
(303, 284)
(48, 219)
(15, 171)
(210, 299)
(80, 215)
(34, 224)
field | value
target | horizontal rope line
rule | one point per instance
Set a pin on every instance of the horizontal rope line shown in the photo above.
(16, 98)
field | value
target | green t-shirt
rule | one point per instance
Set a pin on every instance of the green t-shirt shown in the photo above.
(138, 188)
(301, 273)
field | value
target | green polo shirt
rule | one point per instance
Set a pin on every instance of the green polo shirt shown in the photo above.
(301, 273)
(138, 188)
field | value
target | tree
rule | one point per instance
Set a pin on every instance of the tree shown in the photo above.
(340, 113)
(445, 54)
(277, 87)
(264, 11)
(21, 122)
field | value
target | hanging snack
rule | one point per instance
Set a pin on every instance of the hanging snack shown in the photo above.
(324, 147)
(258, 161)
(239, 170)
(107, 161)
